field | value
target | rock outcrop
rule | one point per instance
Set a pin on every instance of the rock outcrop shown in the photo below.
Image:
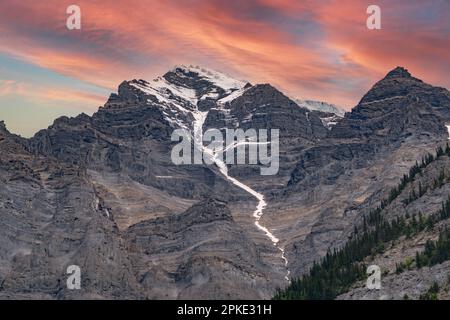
(103, 193)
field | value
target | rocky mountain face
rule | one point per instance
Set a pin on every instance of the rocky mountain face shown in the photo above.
(321, 106)
(264, 107)
(131, 135)
(412, 263)
(366, 153)
(211, 256)
(397, 107)
(51, 218)
(103, 193)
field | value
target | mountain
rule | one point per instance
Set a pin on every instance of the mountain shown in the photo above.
(405, 237)
(397, 107)
(103, 193)
(415, 258)
(396, 123)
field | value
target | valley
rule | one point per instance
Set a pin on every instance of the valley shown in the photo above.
(103, 193)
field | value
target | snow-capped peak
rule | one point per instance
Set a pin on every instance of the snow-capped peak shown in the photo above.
(320, 106)
(181, 89)
(175, 101)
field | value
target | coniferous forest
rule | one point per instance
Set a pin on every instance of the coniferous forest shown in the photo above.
(341, 268)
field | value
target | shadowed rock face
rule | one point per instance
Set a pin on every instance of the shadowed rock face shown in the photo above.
(102, 192)
(264, 107)
(395, 108)
(212, 257)
(130, 135)
(366, 153)
(50, 218)
(53, 216)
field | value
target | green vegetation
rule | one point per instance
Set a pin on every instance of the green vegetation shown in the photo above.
(435, 251)
(431, 294)
(405, 265)
(340, 269)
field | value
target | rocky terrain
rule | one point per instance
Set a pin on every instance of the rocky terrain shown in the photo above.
(403, 277)
(102, 192)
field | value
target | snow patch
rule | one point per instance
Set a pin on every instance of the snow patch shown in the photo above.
(175, 98)
(217, 78)
(320, 106)
(329, 122)
(234, 95)
(200, 118)
(172, 98)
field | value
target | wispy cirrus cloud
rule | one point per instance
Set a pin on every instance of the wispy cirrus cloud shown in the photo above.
(7, 87)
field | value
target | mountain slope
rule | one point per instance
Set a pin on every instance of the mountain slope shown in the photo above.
(364, 155)
(399, 236)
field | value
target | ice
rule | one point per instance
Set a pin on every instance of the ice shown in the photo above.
(313, 105)
(329, 122)
(175, 98)
(234, 95)
(170, 96)
(217, 78)
(200, 118)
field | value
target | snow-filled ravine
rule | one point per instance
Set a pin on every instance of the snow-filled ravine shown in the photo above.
(200, 118)
(186, 102)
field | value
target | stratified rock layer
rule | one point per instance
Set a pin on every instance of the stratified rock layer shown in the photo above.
(102, 192)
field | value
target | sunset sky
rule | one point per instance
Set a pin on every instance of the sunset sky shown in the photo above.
(318, 49)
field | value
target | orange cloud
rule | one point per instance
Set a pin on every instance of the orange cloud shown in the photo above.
(88, 102)
(408, 37)
(313, 49)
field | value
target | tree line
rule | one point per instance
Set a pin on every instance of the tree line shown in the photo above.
(341, 268)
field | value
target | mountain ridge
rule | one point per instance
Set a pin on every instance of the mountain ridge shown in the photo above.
(112, 172)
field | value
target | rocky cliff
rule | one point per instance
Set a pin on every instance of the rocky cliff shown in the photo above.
(102, 192)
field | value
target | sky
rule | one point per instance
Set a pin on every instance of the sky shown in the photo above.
(311, 49)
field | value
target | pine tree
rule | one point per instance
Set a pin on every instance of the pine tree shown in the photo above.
(418, 262)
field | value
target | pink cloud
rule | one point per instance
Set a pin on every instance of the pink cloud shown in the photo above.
(134, 39)
(37, 93)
